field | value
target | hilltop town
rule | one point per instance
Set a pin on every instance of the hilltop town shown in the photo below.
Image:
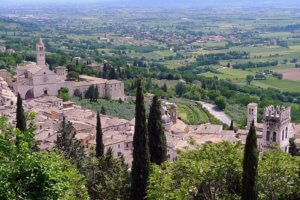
(39, 87)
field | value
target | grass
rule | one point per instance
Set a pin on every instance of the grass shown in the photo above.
(192, 114)
(125, 110)
(239, 77)
(237, 113)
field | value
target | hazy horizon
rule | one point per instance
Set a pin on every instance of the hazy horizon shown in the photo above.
(159, 3)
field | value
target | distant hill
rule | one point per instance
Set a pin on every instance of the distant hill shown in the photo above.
(166, 3)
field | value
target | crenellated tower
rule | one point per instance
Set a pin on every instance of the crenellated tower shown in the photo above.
(40, 53)
(277, 121)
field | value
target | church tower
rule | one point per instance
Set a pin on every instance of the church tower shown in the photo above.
(251, 114)
(40, 53)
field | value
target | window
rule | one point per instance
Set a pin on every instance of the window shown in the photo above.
(282, 135)
(119, 146)
(274, 136)
(286, 132)
(119, 154)
(268, 136)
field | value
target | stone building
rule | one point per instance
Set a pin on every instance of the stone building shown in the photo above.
(277, 128)
(36, 80)
(251, 114)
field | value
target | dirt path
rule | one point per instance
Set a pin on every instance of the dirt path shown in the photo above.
(220, 115)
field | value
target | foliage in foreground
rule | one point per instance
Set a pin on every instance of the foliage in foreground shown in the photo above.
(108, 177)
(25, 174)
(214, 171)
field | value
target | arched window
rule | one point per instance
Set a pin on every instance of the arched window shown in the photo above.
(274, 136)
(268, 135)
(282, 135)
(286, 132)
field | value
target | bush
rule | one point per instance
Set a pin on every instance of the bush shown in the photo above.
(220, 102)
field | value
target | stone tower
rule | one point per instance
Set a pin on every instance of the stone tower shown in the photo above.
(40, 53)
(276, 127)
(251, 114)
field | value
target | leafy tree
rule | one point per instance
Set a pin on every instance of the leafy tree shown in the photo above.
(141, 162)
(99, 138)
(112, 74)
(165, 88)
(293, 148)
(250, 162)
(26, 174)
(68, 145)
(249, 79)
(108, 177)
(103, 111)
(278, 176)
(204, 173)
(63, 94)
(208, 173)
(96, 93)
(220, 102)
(157, 138)
(73, 75)
(77, 93)
(180, 89)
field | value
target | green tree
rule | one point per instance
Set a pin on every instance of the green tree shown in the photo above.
(96, 93)
(249, 79)
(204, 173)
(293, 148)
(21, 118)
(250, 162)
(73, 76)
(108, 177)
(220, 102)
(99, 138)
(278, 176)
(231, 126)
(103, 110)
(165, 88)
(63, 94)
(26, 174)
(141, 162)
(20, 115)
(157, 138)
(180, 89)
(208, 173)
(68, 144)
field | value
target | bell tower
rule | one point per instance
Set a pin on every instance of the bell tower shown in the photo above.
(40, 53)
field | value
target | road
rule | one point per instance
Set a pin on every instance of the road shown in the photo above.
(213, 109)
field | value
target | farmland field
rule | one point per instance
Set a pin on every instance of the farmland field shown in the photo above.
(290, 74)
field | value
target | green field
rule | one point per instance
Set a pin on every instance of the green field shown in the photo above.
(239, 77)
(192, 114)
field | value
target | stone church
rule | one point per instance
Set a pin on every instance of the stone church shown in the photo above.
(36, 80)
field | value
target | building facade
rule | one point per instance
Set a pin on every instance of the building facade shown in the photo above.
(277, 127)
(36, 80)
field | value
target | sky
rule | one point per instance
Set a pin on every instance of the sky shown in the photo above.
(157, 3)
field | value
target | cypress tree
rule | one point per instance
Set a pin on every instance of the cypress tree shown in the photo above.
(141, 162)
(250, 163)
(231, 126)
(157, 138)
(99, 139)
(21, 119)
